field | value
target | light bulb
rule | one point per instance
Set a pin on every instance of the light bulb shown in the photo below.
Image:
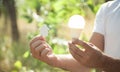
(76, 24)
(44, 31)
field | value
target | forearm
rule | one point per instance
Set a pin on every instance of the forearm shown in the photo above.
(67, 62)
(110, 64)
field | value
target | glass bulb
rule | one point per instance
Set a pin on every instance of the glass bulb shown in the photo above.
(76, 24)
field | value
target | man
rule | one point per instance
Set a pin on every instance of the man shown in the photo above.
(105, 38)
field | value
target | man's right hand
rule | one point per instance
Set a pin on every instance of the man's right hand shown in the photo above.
(42, 51)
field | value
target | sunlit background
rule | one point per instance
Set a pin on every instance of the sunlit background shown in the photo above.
(20, 20)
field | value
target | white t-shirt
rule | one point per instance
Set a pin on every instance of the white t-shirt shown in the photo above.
(108, 23)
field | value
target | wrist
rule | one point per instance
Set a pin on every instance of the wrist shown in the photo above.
(62, 61)
(58, 62)
(105, 62)
(101, 62)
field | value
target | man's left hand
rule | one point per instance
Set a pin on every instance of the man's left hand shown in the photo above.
(90, 55)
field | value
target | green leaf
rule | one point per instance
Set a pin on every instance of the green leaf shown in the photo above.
(28, 18)
(18, 64)
(26, 54)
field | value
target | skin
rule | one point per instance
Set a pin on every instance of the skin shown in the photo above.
(92, 56)
(78, 60)
(43, 52)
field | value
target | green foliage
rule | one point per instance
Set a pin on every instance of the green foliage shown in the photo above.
(53, 13)
(18, 64)
(19, 59)
(94, 5)
(56, 12)
(26, 54)
(28, 18)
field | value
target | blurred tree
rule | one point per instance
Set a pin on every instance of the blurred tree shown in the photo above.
(9, 5)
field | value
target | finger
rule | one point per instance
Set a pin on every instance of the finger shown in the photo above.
(76, 56)
(37, 38)
(40, 48)
(81, 43)
(34, 39)
(44, 52)
(34, 45)
(37, 43)
(33, 53)
(76, 50)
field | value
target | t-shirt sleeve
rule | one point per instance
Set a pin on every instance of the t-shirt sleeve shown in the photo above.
(99, 24)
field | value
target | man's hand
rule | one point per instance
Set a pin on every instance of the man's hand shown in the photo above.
(90, 57)
(42, 51)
